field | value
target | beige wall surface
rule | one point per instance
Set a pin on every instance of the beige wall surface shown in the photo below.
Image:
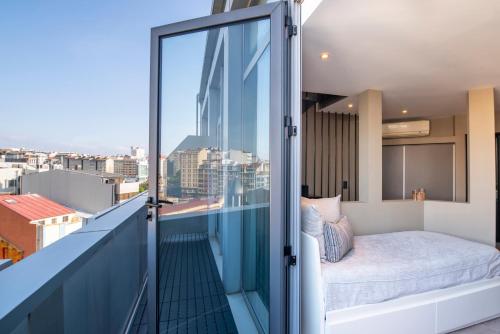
(371, 215)
(474, 220)
(384, 216)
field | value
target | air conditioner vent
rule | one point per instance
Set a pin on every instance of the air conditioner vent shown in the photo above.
(406, 129)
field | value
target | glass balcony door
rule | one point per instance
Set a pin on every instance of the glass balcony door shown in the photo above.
(217, 149)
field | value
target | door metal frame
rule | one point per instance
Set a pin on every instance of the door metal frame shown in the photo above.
(276, 12)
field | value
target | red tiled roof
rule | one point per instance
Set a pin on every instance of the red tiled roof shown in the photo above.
(33, 206)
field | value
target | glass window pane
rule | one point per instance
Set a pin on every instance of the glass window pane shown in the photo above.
(214, 167)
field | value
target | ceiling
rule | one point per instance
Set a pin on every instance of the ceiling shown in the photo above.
(423, 54)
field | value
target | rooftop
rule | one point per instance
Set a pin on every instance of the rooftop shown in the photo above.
(96, 172)
(34, 206)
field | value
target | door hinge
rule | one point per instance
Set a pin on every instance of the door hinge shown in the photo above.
(291, 28)
(292, 259)
(291, 129)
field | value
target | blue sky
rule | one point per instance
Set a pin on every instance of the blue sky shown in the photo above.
(74, 75)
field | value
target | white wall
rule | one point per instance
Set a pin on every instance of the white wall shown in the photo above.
(54, 232)
(127, 188)
(475, 220)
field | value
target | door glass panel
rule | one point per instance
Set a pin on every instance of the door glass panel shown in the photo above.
(214, 168)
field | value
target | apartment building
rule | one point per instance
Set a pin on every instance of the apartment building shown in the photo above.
(10, 179)
(142, 170)
(88, 163)
(126, 166)
(189, 163)
(137, 152)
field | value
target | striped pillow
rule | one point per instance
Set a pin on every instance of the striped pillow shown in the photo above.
(338, 239)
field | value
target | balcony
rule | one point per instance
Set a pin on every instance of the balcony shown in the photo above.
(192, 297)
(87, 282)
(94, 280)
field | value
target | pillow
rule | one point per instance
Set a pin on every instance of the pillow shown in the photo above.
(329, 208)
(312, 224)
(311, 220)
(338, 239)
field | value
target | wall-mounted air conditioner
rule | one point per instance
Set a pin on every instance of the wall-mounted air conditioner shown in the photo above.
(406, 129)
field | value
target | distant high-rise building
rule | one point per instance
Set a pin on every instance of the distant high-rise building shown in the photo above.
(190, 162)
(142, 170)
(126, 166)
(137, 152)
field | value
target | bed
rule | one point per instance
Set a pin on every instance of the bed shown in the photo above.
(411, 282)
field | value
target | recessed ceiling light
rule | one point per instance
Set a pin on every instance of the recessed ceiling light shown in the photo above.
(404, 112)
(324, 55)
(350, 105)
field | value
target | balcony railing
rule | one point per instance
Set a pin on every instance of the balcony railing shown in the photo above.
(88, 282)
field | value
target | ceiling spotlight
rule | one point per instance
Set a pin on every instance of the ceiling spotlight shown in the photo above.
(324, 55)
(404, 112)
(350, 105)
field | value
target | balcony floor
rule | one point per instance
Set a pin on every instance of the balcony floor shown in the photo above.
(191, 291)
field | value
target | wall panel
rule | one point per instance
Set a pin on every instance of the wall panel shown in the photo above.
(330, 151)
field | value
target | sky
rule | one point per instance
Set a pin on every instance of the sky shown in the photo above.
(74, 75)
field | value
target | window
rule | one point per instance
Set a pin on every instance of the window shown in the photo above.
(65, 219)
(54, 220)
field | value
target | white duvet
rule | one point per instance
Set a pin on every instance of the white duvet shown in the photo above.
(392, 265)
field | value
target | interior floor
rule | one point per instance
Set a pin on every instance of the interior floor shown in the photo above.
(191, 291)
(488, 327)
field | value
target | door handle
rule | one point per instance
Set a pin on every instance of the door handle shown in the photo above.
(159, 204)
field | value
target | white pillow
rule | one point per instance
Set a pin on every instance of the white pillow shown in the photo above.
(329, 208)
(312, 224)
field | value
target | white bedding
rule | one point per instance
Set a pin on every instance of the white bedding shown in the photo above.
(392, 265)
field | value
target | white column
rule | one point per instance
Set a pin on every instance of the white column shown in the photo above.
(370, 146)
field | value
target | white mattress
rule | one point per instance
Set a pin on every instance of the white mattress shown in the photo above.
(387, 266)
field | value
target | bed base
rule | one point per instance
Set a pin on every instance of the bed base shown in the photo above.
(439, 311)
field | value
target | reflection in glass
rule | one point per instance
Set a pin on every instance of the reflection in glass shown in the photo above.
(214, 167)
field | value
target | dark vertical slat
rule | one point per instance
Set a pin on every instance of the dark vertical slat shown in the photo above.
(333, 160)
(319, 152)
(326, 151)
(329, 151)
(357, 158)
(304, 147)
(310, 150)
(345, 155)
(352, 158)
(338, 157)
